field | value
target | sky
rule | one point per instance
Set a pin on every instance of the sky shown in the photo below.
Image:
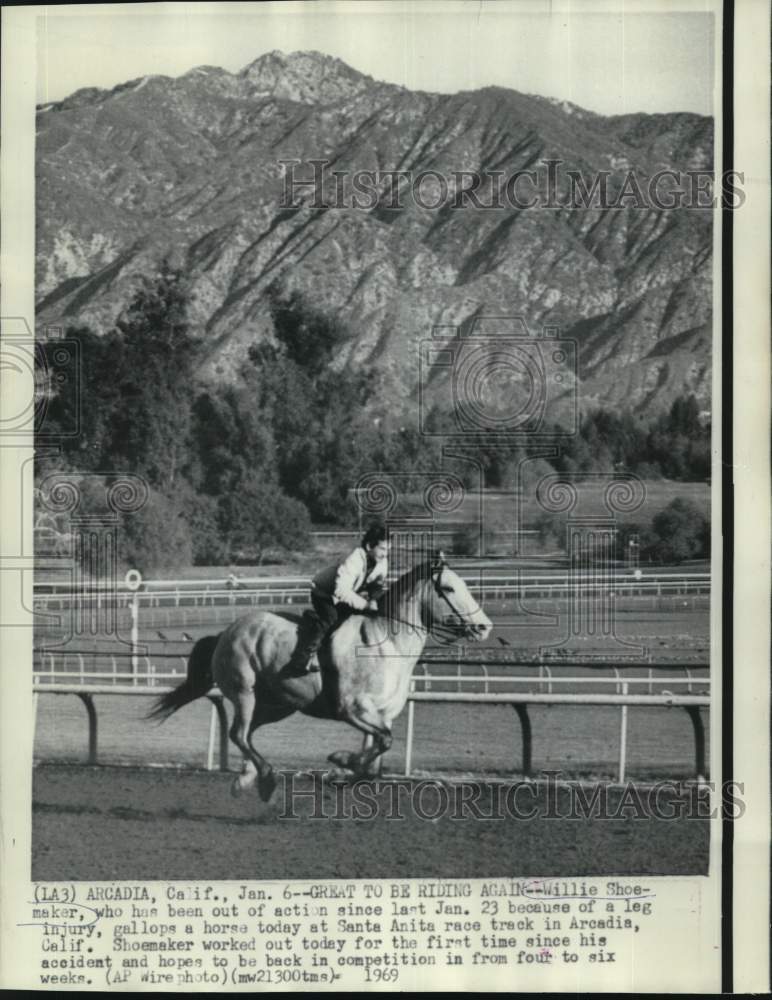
(657, 56)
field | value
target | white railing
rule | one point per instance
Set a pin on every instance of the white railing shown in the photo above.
(512, 578)
(60, 684)
(274, 592)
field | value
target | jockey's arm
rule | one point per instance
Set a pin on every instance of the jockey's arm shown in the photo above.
(376, 587)
(349, 574)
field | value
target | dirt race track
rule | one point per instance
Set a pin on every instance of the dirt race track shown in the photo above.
(176, 822)
(106, 823)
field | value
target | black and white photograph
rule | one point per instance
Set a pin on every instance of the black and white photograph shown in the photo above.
(375, 506)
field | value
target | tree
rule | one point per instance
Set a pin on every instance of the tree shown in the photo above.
(231, 439)
(684, 417)
(151, 426)
(257, 517)
(678, 532)
(679, 443)
(201, 516)
(307, 336)
(315, 411)
(155, 538)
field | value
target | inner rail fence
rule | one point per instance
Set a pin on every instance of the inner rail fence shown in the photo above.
(91, 612)
(483, 581)
(689, 691)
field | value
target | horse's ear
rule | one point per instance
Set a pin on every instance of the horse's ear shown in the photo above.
(439, 560)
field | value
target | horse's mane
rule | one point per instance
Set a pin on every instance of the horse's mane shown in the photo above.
(406, 584)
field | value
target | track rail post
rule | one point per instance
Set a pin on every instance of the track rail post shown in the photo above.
(623, 737)
(210, 741)
(88, 701)
(218, 706)
(526, 736)
(410, 730)
(693, 711)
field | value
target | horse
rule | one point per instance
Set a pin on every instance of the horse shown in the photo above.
(366, 666)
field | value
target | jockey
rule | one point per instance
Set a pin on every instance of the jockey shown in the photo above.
(337, 591)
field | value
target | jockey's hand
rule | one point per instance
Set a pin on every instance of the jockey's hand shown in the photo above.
(372, 607)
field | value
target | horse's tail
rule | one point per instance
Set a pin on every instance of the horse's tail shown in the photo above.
(196, 684)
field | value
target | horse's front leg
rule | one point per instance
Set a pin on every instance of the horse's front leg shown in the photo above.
(375, 727)
(348, 759)
(375, 767)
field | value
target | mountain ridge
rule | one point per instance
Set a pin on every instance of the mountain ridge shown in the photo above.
(189, 168)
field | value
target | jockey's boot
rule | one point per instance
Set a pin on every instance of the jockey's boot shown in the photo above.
(311, 633)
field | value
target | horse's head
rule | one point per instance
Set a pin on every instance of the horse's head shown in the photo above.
(453, 606)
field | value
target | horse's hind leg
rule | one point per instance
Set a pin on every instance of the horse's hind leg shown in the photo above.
(255, 766)
(266, 712)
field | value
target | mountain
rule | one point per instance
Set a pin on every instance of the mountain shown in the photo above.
(191, 169)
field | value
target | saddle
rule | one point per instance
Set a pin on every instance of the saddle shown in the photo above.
(313, 638)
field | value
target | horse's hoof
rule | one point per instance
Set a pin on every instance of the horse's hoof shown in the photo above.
(243, 782)
(341, 757)
(337, 776)
(267, 786)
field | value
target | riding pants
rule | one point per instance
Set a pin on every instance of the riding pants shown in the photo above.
(320, 622)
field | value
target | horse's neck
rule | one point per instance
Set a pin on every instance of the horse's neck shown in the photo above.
(411, 633)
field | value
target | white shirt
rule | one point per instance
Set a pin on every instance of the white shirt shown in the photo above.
(342, 582)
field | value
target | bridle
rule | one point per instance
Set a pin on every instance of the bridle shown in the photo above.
(451, 632)
(441, 592)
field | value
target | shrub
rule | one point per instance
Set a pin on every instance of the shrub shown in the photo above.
(258, 517)
(679, 532)
(201, 516)
(551, 530)
(155, 538)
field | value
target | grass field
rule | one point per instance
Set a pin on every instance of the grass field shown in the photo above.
(498, 512)
(498, 507)
(495, 510)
